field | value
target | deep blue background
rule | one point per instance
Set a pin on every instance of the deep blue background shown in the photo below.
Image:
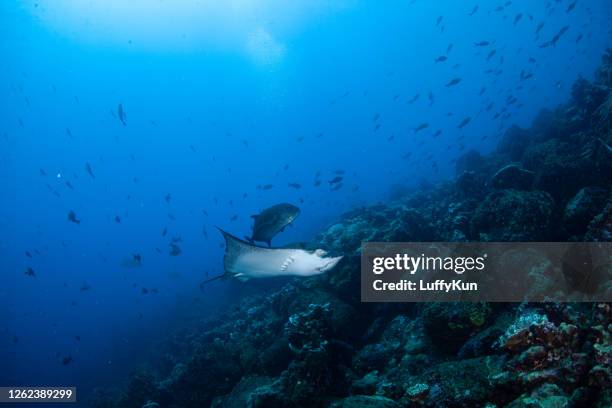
(218, 100)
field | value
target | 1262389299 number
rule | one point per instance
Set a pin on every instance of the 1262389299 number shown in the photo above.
(37, 394)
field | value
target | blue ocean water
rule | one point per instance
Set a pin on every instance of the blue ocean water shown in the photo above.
(226, 104)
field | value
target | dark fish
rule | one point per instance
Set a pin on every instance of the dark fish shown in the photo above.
(414, 99)
(273, 220)
(168, 197)
(267, 187)
(517, 18)
(570, 7)
(30, 272)
(453, 82)
(85, 287)
(474, 10)
(175, 250)
(449, 48)
(464, 122)
(28, 254)
(72, 217)
(335, 180)
(67, 359)
(121, 114)
(295, 185)
(234, 217)
(438, 133)
(422, 126)
(89, 170)
(164, 232)
(137, 258)
(117, 219)
(481, 43)
(337, 187)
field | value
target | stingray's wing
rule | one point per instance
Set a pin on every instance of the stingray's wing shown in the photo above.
(234, 249)
(242, 257)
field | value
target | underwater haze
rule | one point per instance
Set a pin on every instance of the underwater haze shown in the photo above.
(130, 130)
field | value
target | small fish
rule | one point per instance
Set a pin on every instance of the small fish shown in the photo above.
(482, 43)
(517, 18)
(168, 198)
(422, 126)
(453, 82)
(73, 218)
(30, 272)
(121, 114)
(295, 185)
(335, 180)
(117, 219)
(474, 10)
(464, 122)
(175, 250)
(67, 359)
(89, 170)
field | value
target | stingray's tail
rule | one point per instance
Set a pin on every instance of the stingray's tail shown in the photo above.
(204, 282)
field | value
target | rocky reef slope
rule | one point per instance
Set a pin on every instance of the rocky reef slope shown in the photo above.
(313, 344)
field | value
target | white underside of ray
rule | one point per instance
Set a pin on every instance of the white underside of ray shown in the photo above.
(245, 261)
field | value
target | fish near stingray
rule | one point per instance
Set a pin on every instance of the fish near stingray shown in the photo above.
(245, 261)
(273, 220)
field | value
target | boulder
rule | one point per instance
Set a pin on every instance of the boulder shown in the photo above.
(513, 176)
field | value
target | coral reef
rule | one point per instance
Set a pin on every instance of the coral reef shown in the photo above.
(314, 344)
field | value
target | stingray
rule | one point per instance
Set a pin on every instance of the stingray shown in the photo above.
(245, 261)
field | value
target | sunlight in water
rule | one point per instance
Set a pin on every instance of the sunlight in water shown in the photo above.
(254, 28)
